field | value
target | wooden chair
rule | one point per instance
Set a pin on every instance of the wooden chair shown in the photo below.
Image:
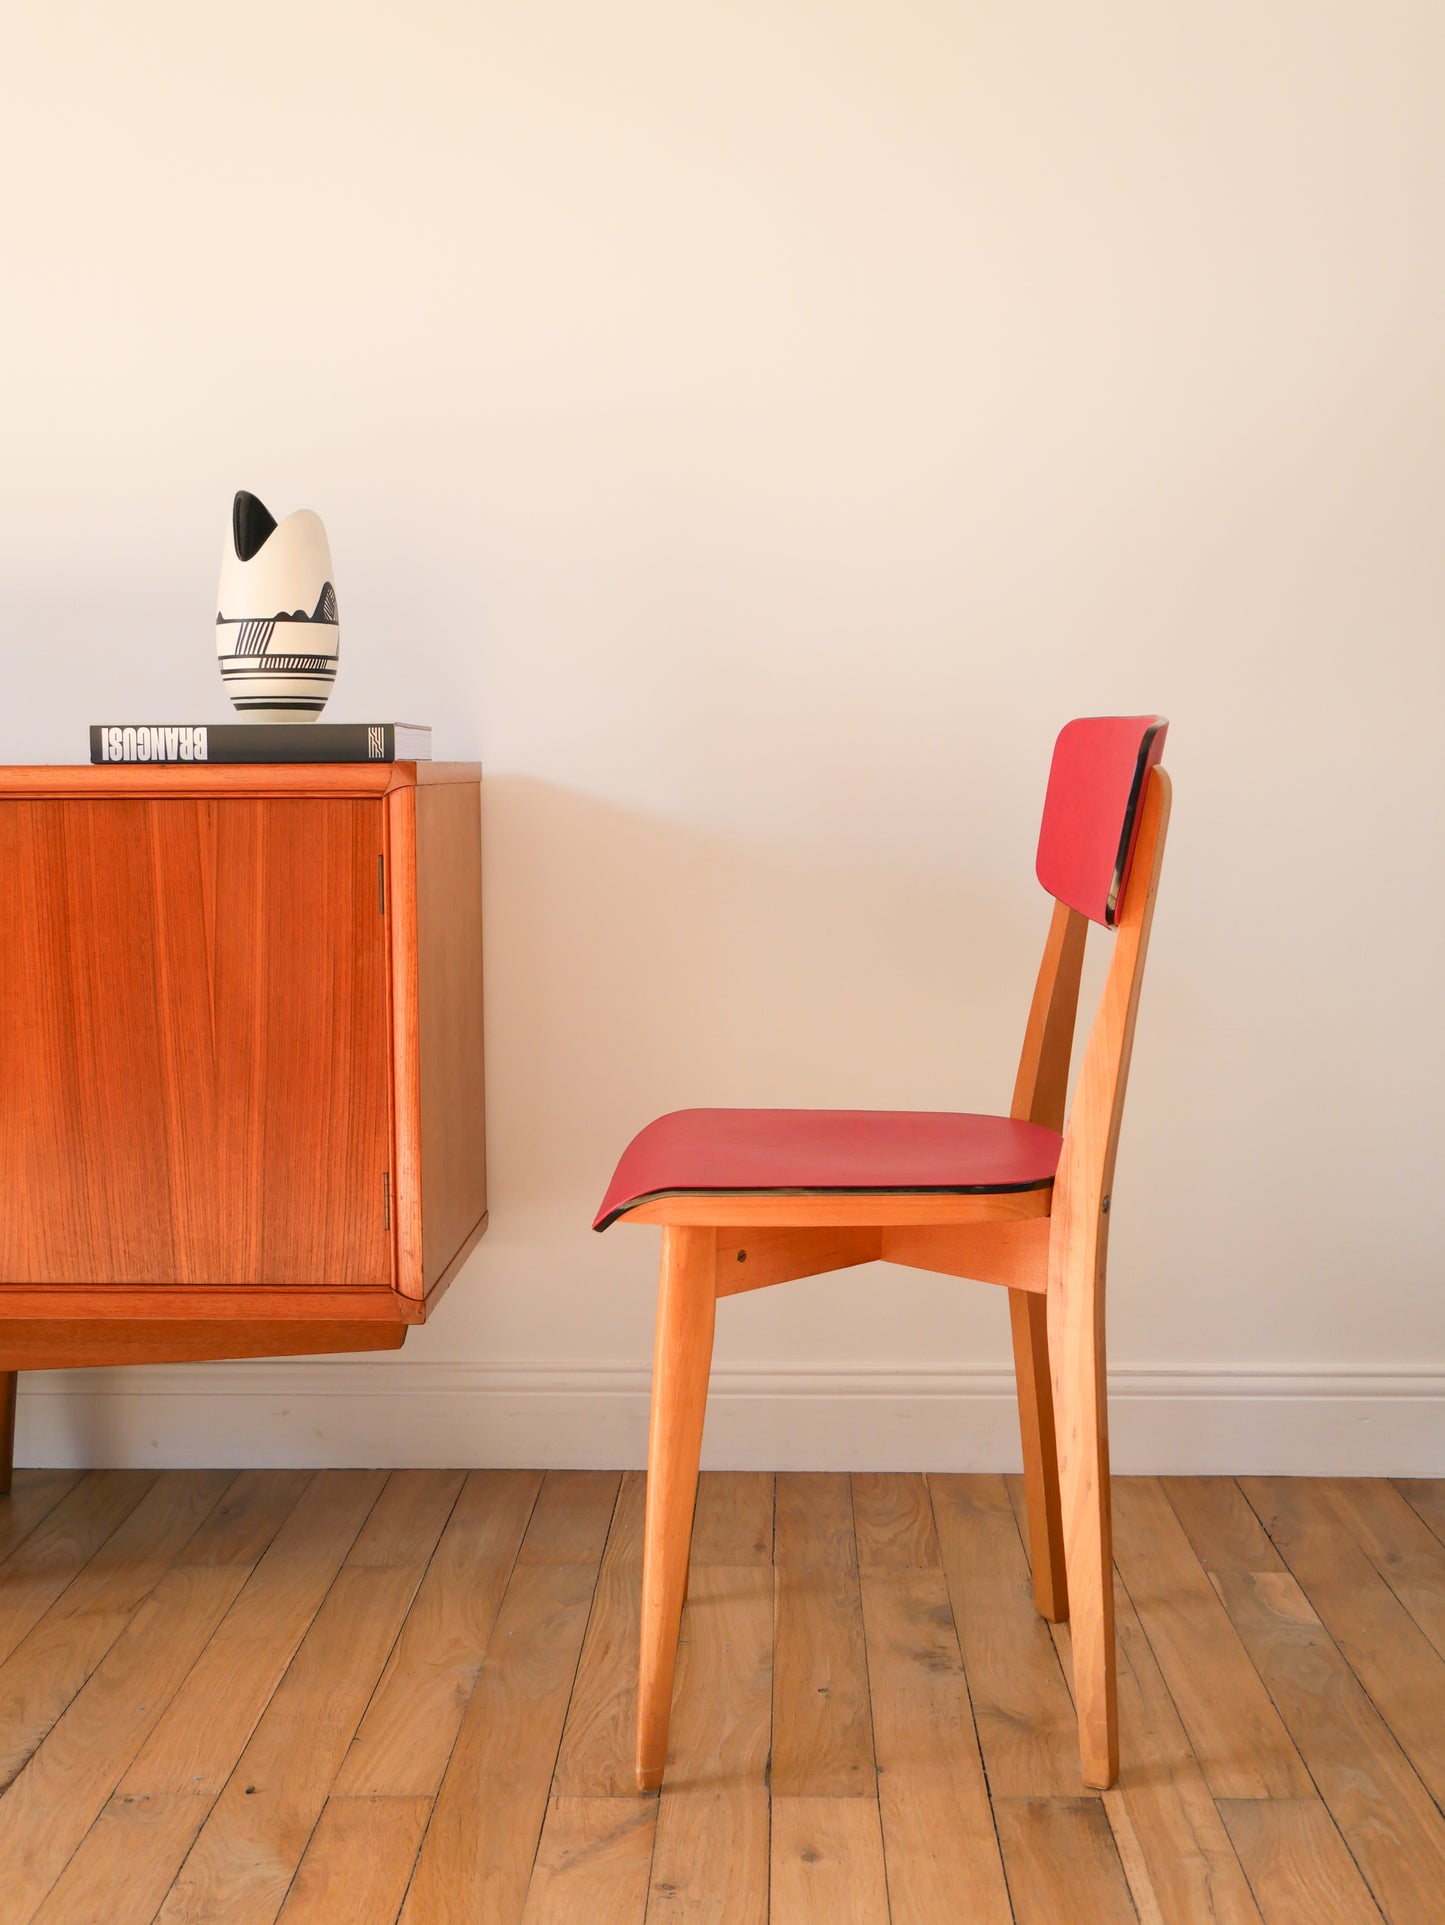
(748, 1198)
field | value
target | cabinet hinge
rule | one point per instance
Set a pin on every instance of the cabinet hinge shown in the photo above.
(386, 1198)
(381, 884)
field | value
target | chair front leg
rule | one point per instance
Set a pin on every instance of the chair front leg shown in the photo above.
(686, 1311)
(1076, 1353)
(1028, 1315)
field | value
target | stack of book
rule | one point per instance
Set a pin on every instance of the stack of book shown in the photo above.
(259, 742)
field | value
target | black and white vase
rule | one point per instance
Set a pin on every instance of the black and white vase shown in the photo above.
(276, 630)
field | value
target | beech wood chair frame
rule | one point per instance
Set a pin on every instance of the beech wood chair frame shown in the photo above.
(1048, 1247)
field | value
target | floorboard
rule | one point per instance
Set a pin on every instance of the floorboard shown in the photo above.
(33, 1496)
(827, 1861)
(407, 1699)
(358, 1862)
(710, 1857)
(938, 1830)
(1176, 1854)
(594, 1861)
(52, 1662)
(1426, 1496)
(822, 1721)
(1384, 1647)
(242, 1863)
(1386, 1817)
(1021, 1703)
(1063, 1865)
(476, 1860)
(1234, 1727)
(52, 1554)
(595, 1759)
(1400, 1545)
(406, 1737)
(1297, 1863)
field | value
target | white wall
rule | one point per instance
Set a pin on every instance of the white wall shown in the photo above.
(753, 429)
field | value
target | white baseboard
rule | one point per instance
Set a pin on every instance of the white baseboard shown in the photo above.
(399, 1412)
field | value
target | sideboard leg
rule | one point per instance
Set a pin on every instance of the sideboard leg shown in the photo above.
(8, 1381)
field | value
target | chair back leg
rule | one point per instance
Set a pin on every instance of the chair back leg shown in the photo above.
(686, 1312)
(1076, 1350)
(1028, 1314)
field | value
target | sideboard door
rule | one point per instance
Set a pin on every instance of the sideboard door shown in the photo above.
(194, 1054)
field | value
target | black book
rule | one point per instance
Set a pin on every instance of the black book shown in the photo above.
(259, 742)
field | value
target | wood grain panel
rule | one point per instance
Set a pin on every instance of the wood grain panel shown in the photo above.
(137, 780)
(118, 1306)
(400, 886)
(74, 1341)
(449, 1019)
(193, 1022)
(93, 781)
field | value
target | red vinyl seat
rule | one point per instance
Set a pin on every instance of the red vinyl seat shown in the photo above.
(731, 1152)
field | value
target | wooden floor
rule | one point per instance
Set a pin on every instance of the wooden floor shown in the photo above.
(354, 1697)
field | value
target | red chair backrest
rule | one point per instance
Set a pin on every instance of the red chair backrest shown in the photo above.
(1091, 809)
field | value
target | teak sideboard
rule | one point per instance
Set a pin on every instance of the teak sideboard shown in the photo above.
(240, 1059)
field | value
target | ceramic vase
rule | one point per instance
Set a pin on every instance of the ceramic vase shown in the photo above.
(276, 630)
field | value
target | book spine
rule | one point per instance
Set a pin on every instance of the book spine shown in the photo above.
(243, 742)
